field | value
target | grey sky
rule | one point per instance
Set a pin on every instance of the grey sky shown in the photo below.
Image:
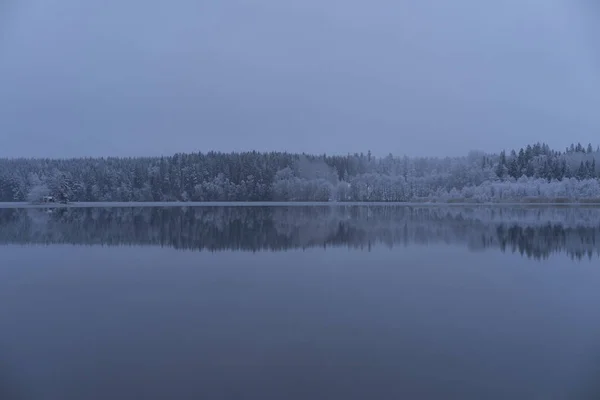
(427, 77)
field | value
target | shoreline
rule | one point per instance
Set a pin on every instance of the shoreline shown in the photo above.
(6, 205)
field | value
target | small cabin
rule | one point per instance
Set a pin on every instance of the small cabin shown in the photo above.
(48, 199)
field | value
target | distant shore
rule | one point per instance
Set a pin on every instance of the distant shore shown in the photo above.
(117, 204)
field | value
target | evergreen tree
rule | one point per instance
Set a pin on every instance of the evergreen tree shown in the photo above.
(501, 169)
(581, 171)
(250, 176)
(513, 165)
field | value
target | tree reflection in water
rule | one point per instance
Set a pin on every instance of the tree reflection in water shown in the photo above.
(534, 232)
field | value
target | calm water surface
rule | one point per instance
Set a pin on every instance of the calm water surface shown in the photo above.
(378, 302)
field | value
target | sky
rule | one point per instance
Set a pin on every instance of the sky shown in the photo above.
(427, 77)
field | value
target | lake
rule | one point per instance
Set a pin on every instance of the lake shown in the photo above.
(300, 302)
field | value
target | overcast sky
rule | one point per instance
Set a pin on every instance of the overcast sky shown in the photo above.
(426, 77)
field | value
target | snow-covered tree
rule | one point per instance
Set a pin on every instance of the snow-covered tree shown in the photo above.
(38, 190)
(255, 176)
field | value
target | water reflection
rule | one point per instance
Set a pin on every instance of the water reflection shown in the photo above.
(534, 232)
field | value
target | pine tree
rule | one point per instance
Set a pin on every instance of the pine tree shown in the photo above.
(588, 170)
(529, 170)
(501, 167)
(564, 170)
(528, 154)
(581, 171)
(522, 163)
(513, 168)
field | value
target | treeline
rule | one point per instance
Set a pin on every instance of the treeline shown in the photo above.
(274, 176)
(532, 232)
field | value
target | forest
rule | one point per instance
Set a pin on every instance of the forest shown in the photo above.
(533, 173)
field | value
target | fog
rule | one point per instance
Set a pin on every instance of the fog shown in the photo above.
(416, 78)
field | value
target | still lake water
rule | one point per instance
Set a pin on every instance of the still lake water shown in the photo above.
(329, 302)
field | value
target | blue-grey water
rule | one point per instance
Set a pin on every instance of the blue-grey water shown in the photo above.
(329, 302)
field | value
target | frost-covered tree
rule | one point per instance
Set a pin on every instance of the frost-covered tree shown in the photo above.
(38, 190)
(255, 176)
